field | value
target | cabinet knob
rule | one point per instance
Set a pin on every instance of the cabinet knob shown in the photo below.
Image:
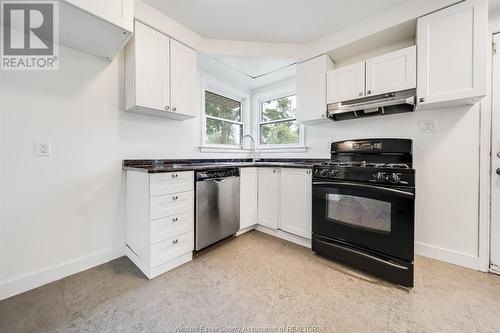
(174, 109)
(360, 94)
(175, 241)
(167, 108)
(322, 115)
(308, 172)
(175, 175)
(497, 171)
(368, 92)
(175, 219)
(175, 197)
(274, 170)
(421, 100)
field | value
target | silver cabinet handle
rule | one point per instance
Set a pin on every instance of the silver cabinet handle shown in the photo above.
(175, 241)
(175, 219)
(174, 109)
(175, 197)
(175, 175)
(167, 108)
(421, 100)
(308, 172)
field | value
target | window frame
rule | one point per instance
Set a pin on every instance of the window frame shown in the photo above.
(260, 100)
(228, 93)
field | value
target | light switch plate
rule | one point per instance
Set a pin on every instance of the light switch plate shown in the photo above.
(43, 148)
(428, 126)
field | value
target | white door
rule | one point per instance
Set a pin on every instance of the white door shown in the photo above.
(295, 202)
(451, 53)
(345, 83)
(495, 164)
(248, 197)
(311, 88)
(267, 211)
(152, 68)
(392, 71)
(183, 79)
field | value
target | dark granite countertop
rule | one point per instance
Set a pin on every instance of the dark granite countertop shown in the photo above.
(157, 166)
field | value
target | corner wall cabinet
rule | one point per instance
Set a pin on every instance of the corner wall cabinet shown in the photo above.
(393, 71)
(160, 220)
(452, 55)
(311, 88)
(160, 75)
(100, 28)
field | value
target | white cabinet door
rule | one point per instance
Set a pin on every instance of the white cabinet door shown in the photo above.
(152, 68)
(311, 88)
(118, 12)
(267, 211)
(452, 55)
(346, 83)
(392, 71)
(183, 78)
(248, 197)
(295, 201)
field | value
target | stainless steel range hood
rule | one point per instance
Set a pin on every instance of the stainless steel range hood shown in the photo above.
(390, 103)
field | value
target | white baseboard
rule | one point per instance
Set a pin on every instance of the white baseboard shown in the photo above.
(247, 229)
(36, 279)
(450, 256)
(284, 235)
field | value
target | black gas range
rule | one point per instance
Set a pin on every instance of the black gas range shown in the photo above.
(363, 207)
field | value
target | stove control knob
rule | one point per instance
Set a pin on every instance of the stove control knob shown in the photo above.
(323, 173)
(380, 176)
(333, 173)
(394, 178)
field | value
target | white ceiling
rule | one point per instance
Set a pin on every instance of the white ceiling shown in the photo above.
(246, 73)
(278, 21)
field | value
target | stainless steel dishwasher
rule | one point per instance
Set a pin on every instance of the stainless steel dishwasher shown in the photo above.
(217, 205)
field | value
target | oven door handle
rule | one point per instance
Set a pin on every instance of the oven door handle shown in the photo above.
(400, 193)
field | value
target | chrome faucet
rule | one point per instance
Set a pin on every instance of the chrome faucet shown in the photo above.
(253, 144)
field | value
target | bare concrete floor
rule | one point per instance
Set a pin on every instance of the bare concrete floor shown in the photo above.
(259, 281)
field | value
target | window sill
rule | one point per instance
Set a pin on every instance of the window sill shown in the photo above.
(223, 149)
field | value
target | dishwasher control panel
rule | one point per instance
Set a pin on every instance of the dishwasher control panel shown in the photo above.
(217, 173)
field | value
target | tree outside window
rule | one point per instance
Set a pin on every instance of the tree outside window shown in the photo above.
(278, 124)
(223, 123)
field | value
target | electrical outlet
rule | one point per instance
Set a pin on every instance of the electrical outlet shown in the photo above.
(428, 126)
(43, 148)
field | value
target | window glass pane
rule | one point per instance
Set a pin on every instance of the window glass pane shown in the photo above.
(281, 108)
(286, 132)
(222, 107)
(364, 213)
(223, 132)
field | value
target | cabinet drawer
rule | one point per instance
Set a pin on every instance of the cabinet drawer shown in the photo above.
(170, 204)
(171, 248)
(171, 226)
(171, 182)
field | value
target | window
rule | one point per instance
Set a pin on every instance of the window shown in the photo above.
(277, 122)
(223, 121)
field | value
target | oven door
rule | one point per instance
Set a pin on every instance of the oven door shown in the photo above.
(377, 218)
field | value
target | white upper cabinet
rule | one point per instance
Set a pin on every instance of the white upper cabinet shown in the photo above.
(452, 55)
(248, 197)
(160, 75)
(100, 28)
(118, 12)
(267, 210)
(346, 83)
(183, 75)
(295, 202)
(392, 71)
(311, 88)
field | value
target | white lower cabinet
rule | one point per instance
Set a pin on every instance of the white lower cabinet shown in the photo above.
(283, 200)
(295, 201)
(248, 197)
(267, 206)
(160, 220)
